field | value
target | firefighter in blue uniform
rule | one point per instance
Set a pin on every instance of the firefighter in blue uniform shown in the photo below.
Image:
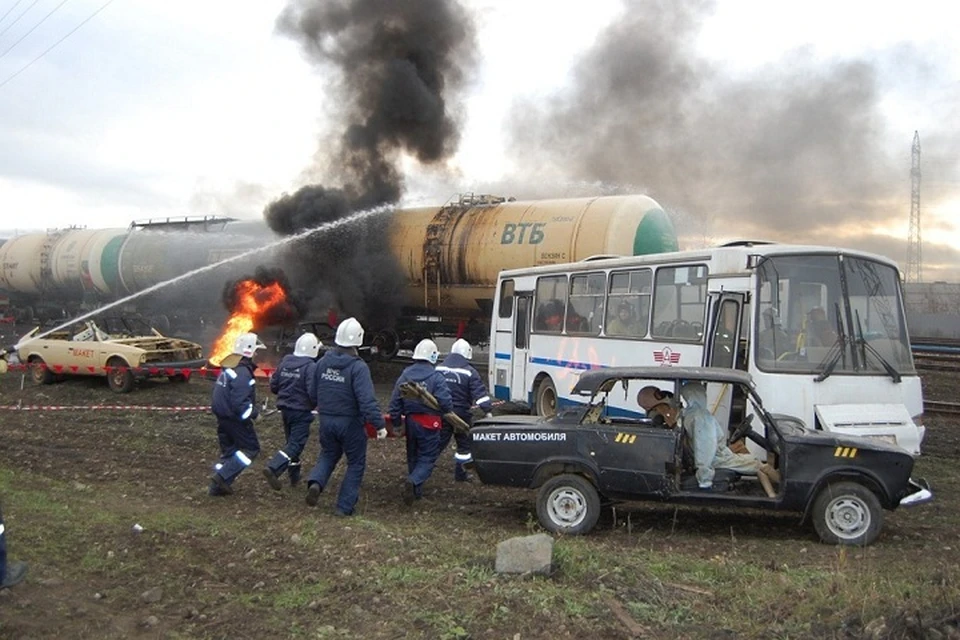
(345, 400)
(466, 390)
(289, 382)
(235, 406)
(422, 423)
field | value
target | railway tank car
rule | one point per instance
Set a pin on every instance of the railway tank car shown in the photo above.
(449, 255)
(60, 272)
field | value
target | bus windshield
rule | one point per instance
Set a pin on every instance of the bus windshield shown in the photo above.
(830, 314)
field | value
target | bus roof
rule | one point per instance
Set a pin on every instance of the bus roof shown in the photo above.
(737, 253)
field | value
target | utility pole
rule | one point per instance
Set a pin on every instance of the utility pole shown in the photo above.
(914, 255)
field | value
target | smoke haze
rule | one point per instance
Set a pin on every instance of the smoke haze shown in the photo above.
(797, 151)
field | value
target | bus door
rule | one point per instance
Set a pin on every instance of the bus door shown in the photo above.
(723, 350)
(521, 345)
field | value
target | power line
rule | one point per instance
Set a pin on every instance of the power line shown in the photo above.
(4, 16)
(34, 27)
(17, 19)
(54, 45)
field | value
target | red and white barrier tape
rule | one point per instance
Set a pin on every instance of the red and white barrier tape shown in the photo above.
(154, 371)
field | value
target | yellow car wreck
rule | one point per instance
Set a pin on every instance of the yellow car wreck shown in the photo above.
(123, 350)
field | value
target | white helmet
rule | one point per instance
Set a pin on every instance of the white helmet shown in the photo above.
(349, 333)
(463, 348)
(247, 344)
(307, 345)
(426, 350)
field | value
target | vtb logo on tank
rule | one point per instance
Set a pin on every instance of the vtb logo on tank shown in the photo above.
(516, 233)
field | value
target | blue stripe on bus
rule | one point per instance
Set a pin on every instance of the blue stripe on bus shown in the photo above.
(502, 356)
(566, 364)
(501, 392)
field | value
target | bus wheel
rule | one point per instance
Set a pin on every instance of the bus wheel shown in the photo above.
(545, 400)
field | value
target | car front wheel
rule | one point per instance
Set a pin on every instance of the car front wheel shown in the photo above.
(847, 513)
(568, 504)
(119, 377)
(39, 372)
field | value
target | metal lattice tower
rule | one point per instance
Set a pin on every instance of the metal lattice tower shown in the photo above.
(914, 257)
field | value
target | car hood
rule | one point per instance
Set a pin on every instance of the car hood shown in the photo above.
(828, 438)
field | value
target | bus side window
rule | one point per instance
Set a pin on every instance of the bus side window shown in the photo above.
(628, 304)
(506, 299)
(551, 303)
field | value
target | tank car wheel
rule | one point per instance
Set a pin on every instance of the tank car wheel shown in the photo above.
(545, 399)
(568, 504)
(40, 373)
(178, 378)
(120, 377)
(387, 343)
(847, 513)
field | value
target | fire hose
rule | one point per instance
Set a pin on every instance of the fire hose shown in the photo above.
(412, 391)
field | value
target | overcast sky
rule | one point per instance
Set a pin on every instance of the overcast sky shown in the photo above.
(776, 120)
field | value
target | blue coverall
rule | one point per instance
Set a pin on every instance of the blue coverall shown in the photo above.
(235, 406)
(422, 423)
(466, 389)
(289, 382)
(343, 391)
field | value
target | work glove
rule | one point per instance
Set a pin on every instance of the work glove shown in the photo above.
(488, 415)
(381, 433)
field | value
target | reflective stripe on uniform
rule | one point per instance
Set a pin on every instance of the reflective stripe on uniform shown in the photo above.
(246, 414)
(1, 529)
(483, 399)
(462, 457)
(284, 454)
(242, 457)
(218, 466)
(252, 382)
(230, 372)
(465, 372)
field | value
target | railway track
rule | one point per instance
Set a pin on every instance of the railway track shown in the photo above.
(929, 361)
(941, 408)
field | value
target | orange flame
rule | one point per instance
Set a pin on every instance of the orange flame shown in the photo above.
(253, 303)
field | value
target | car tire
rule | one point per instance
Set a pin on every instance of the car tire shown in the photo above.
(847, 513)
(545, 399)
(120, 377)
(568, 504)
(40, 373)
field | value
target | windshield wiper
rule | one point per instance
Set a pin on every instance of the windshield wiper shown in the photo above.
(833, 357)
(837, 352)
(866, 347)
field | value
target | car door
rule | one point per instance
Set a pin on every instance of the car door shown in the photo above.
(635, 460)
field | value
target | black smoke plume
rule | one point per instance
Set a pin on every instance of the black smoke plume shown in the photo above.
(400, 65)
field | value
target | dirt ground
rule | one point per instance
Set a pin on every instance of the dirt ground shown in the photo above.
(78, 482)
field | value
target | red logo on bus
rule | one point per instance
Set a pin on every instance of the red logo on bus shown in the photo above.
(666, 357)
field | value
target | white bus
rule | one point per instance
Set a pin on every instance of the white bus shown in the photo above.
(820, 329)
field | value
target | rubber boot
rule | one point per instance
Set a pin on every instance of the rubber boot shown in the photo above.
(16, 572)
(293, 472)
